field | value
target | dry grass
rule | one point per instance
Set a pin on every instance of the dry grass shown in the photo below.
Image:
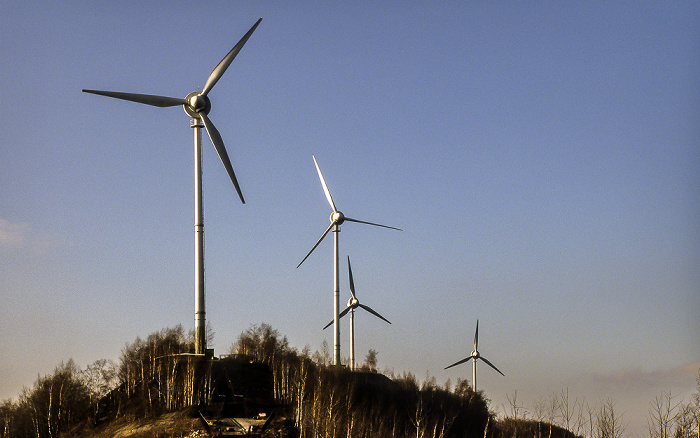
(171, 425)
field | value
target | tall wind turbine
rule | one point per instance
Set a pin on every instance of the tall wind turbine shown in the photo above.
(197, 105)
(474, 356)
(353, 304)
(337, 219)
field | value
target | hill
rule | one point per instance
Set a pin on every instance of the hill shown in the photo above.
(265, 389)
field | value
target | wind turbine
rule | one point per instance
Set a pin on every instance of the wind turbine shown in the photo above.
(474, 356)
(337, 219)
(353, 304)
(197, 105)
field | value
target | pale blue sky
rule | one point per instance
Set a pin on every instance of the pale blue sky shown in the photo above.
(542, 159)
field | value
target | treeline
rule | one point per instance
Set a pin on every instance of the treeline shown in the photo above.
(560, 415)
(154, 375)
(331, 401)
(315, 399)
(157, 375)
(55, 403)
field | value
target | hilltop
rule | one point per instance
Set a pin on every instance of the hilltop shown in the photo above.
(263, 388)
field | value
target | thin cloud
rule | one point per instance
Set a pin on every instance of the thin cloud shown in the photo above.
(13, 235)
(632, 377)
(22, 236)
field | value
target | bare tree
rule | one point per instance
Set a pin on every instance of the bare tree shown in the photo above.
(371, 360)
(661, 415)
(552, 410)
(324, 357)
(591, 414)
(55, 403)
(684, 421)
(448, 385)
(580, 419)
(8, 413)
(696, 404)
(539, 413)
(516, 412)
(418, 409)
(566, 409)
(608, 423)
(100, 377)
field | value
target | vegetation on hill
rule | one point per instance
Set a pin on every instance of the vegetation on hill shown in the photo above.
(159, 389)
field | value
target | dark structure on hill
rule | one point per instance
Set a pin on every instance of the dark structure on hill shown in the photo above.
(241, 388)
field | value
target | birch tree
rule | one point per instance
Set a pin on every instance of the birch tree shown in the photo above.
(661, 415)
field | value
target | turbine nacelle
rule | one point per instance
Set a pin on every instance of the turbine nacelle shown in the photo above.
(337, 218)
(353, 303)
(195, 104)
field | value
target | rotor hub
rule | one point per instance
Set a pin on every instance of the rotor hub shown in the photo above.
(197, 103)
(353, 303)
(337, 218)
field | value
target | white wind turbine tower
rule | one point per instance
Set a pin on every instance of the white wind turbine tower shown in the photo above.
(337, 219)
(197, 105)
(474, 356)
(353, 304)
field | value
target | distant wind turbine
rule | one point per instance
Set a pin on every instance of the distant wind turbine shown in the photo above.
(197, 105)
(353, 304)
(474, 356)
(337, 219)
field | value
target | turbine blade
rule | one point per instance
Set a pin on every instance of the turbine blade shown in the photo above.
(219, 145)
(344, 312)
(367, 308)
(371, 223)
(319, 241)
(325, 187)
(148, 99)
(340, 315)
(476, 335)
(220, 69)
(352, 284)
(491, 365)
(459, 362)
